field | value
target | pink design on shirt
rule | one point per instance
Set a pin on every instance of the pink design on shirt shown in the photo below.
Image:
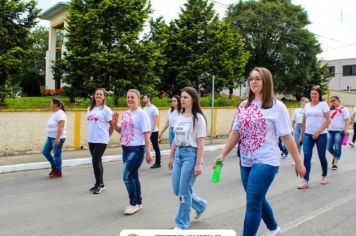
(252, 127)
(127, 129)
(93, 117)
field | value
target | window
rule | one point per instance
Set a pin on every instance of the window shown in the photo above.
(332, 70)
(349, 70)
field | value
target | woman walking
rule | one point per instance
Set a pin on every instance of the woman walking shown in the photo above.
(353, 122)
(297, 119)
(56, 136)
(186, 157)
(100, 128)
(135, 129)
(258, 122)
(173, 113)
(315, 121)
(338, 128)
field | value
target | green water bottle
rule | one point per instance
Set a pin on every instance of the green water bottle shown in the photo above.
(217, 171)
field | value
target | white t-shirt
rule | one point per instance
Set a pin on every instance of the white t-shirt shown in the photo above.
(259, 130)
(98, 124)
(172, 118)
(354, 113)
(52, 124)
(298, 115)
(338, 121)
(315, 117)
(133, 126)
(186, 134)
(152, 111)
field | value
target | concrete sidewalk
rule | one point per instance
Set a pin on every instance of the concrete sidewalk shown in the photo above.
(35, 161)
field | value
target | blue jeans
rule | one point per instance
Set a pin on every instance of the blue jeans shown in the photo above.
(296, 134)
(282, 148)
(183, 179)
(334, 143)
(170, 135)
(308, 144)
(256, 181)
(132, 157)
(56, 159)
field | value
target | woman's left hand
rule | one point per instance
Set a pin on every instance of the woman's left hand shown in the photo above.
(56, 142)
(197, 169)
(148, 157)
(315, 136)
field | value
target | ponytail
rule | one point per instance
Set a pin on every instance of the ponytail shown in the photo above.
(59, 103)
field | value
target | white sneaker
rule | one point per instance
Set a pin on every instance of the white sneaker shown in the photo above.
(273, 232)
(129, 210)
(140, 206)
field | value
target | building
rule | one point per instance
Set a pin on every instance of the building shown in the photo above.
(56, 15)
(344, 74)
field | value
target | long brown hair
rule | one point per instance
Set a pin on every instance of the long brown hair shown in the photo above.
(196, 108)
(179, 104)
(267, 88)
(93, 102)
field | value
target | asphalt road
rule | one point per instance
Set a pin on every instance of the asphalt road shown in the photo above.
(32, 204)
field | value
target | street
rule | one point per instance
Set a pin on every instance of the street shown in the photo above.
(33, 204)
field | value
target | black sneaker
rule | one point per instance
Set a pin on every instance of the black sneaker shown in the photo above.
(98, 190)
(351, 144)
(94, 187)
(156, 166)
(334, 167)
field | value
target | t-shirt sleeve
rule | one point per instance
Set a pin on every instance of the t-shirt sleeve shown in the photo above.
(294, 116)
(155, 111)
(146, 124)
(235, 125)
(108, 114)
(325, 108)
(60, 116)
(345, 113)
(201, 127)
(282, 123)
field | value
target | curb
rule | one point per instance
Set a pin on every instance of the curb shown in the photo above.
(82, 161)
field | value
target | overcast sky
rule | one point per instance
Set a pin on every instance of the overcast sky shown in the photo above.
(333, 21)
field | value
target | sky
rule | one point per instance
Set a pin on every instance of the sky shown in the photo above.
(332, 21)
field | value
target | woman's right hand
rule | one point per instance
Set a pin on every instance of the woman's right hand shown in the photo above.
(170, 163)
(300, 169)
(300, 141)
(218, 158)
(115, 118)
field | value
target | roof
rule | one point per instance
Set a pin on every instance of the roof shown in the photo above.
(56, 9)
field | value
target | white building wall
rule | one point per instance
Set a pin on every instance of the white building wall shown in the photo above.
(339, 81)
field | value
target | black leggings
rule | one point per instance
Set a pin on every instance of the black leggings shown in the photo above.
(154, 141)
(97, 150)
(354, 136)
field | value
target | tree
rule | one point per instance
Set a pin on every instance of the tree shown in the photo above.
(16, 20)
(33, 76)
(104, 49)
(275, 33)
(200, 43)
